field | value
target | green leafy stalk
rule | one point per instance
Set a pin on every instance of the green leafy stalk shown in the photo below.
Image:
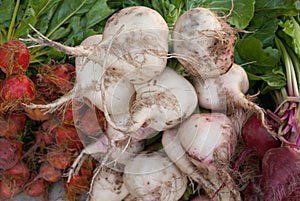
(13, 20)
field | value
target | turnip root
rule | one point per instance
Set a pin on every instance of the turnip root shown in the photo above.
(108, 153)
(209, 140)
(107, 184)
(153, 177)
(203, 43)
(161, 103)
(227, 93)
(176, 153)
(134, 47)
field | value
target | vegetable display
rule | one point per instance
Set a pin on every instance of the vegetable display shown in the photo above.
(150, 100)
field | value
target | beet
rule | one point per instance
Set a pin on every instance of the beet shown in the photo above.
(281, 173)
(256, 136)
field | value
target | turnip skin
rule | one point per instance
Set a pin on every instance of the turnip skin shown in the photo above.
(227, 94)
(152, 176)
(162, 103)
(107, 184)
(203, 43)
(209, 140)
(176, 153)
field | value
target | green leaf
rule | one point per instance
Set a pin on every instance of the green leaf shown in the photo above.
(292, 29)
(259, 60)
(6, 11)
(278, 7)
(242, 13)
(97, 13)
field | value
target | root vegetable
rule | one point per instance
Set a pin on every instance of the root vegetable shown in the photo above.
(257, 138)
(17, 175)
(203, 43)
(67, 138)
(280, 168)
(36, 188)
(209, 140)
(176, 153)
(7, 191)
(16, 89)
(10, 153)
(14, 57)
(161, 103)
(152, 176)
(134, 45)
(59, 159)
(12, 125)
(49, 173)
(227, 92)
(107, 184)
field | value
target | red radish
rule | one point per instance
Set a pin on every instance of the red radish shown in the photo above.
(16, 89)
(257, 138)
(78, 184)
(91, 122)
(12, 125)
(10, 153)
(59, 159)
(61, 75)
(16, 175)
(67, 138)
(281, 173)
(36, 113)
(7, 191)
(14, 57)
(44, 136)
(36, 188)
(49, 173)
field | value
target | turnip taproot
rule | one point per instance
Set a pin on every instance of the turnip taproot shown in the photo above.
(203, 43)
(227, 93)
(153, 177)
(209, 140)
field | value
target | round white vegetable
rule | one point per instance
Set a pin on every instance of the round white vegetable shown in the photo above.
(203, 43)
(153, 177)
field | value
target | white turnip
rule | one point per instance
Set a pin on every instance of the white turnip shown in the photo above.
(162, 103)
(209, 140)
(227, 93)
(107, 184)
(176, 153)
(203, 43)
(153, 177)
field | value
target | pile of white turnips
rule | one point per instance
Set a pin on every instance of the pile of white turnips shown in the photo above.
(124, 73)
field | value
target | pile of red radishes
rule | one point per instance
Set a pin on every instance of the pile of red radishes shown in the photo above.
(37, 148)
(123, 125)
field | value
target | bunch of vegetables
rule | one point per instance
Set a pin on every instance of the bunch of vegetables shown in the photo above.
(159, 106)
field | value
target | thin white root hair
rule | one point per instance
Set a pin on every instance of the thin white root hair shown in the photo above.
(55, 105)
(44, 41)
(75, 167)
